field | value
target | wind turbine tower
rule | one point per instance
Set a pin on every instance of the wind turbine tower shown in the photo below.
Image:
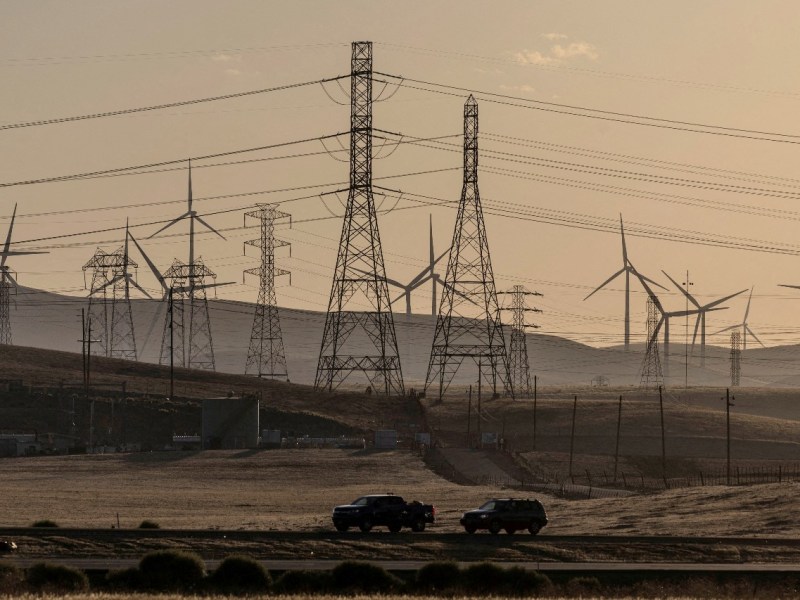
(188, 284)
(628, 269)
(8, 282)
(700, 322)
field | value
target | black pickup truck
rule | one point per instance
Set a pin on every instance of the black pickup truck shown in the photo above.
(386, 510)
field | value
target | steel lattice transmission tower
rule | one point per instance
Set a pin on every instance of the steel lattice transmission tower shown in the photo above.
(187, 289)
(110, 313)
(266, 357)
(8, 282)
(468, 325)
(652, 375)
(736, 358)
(518, 355)
(357, 340)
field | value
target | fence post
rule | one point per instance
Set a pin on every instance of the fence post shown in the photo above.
(702, 479)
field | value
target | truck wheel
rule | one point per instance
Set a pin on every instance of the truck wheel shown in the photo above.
(470, 528)
(534, 527)
(365, 525)
(341, 527)
(418, 525)
(395, 527)
(495, 527)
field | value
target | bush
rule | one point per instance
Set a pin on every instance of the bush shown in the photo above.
(363, 577)
(44, 523)
(240, 574)
(171, 570)
(303, 582)
(11, 579)
(147, 524)
(438, 576)
(583, 586)
(521, 582)
(125, 580)
(47, 577)
(483, 578)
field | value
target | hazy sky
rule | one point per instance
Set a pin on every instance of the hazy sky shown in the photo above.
(728, 63)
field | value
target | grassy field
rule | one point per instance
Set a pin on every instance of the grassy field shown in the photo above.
(296, 489)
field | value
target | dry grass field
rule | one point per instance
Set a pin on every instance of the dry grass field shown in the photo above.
(295, 490)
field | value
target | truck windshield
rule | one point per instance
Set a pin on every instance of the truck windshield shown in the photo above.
(363, 501)
(490, 505)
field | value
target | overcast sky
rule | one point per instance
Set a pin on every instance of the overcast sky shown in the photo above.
(733, 64)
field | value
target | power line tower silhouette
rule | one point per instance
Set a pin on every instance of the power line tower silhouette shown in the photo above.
(652, 375)
(518, 355)
(736, 358)
(109, 314)
(187, 289)
(468, 325)
(356, 340)
(8, 282)
(266, 356)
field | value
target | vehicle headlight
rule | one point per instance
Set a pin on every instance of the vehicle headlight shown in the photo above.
(484, 516)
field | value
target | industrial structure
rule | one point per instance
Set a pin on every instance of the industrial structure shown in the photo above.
(468, 325)
(652, 375)
(187, 317)
(265, 355)
(736, 358)
(356, 340)
(518, 353)
(8, 282)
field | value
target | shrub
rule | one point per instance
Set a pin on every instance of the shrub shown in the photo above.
(583, 586)
(363, 577)
(303, 582)
(11, 579)
(56, 578)
(44, 523)
(483, 578)
(240, 574)
(147, 524)
(171, 570)
(521, 582)
(125, 580)
(438, 576)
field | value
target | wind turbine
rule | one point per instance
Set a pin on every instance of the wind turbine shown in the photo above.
(8, 282)
(701, 315)
(628, 269)
(745, 327)
(664, 320)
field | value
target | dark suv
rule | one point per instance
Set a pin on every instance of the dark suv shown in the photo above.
(510, 514)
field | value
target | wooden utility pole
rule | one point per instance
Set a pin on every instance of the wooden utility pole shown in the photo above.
(572, 437)
(663, 438)
(171, 348)
(469, 418)
(728, 405)
(535, 381)
(616, 448)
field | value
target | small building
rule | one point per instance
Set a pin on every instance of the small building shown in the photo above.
(230, 423)
(19, 444)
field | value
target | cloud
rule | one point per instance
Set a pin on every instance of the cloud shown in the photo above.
(518, 88)
(575, 49)
(555, 36)
(528, 57)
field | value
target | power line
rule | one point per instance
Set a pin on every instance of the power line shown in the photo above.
(594, 113)
(128, 111)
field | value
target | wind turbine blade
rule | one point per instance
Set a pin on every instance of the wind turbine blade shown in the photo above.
(794, 287)
(190, 185)
(606, 282)
(140, 288)
(624, 247)
(416, 284)
(107, 284)
(643, 280)
(199, 218)
(168, 225)
(419, 275)
(7, 245)
(721, 300)
(727, 329)
(696, 327)
(150, 264)
(755, 337)
(683, 291)
(640, 276)
(747, 310)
